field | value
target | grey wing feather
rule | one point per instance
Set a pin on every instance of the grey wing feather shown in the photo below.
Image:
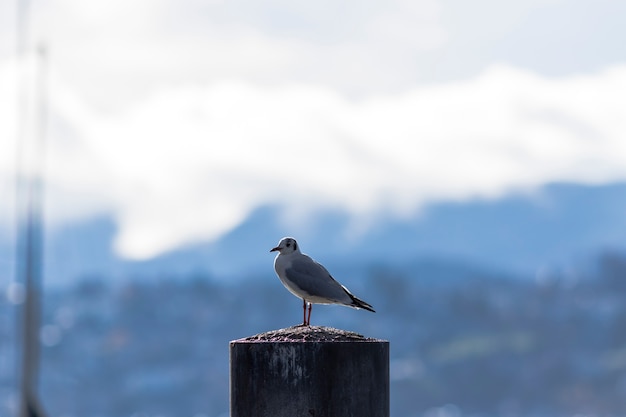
(313, 279)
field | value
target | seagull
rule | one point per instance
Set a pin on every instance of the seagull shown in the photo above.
(309, 280)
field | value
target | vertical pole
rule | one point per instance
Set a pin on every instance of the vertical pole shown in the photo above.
(29, 206)
(310, 372)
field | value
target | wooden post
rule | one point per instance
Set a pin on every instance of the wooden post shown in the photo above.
(309, 372)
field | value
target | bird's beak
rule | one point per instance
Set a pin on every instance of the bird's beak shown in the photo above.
(274, 249)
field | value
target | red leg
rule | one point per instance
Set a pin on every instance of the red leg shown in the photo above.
(308, 321)
(304, 322)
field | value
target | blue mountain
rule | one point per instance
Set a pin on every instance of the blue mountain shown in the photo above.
(557, 226)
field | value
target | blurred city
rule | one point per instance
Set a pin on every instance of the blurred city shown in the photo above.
(464, 341)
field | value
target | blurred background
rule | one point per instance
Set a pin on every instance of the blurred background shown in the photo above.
(459, 165)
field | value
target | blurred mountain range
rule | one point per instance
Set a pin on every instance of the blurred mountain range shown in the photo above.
(508, 307)
(558, 226)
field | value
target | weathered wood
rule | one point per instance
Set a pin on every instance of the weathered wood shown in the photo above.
(309, 372)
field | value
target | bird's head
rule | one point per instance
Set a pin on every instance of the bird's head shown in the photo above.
(286, 246)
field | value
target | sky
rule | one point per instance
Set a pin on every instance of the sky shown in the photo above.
(179, 118)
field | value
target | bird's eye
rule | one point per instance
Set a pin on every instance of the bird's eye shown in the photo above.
(288, 244)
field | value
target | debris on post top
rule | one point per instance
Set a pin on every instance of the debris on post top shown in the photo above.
(308, 334)
(309, 371)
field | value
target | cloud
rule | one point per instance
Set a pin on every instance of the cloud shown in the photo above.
(190, 163)
(180, 119)
(119, 52)
(8, 153)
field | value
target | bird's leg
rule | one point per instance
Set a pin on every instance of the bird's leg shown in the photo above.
(304, 322)
(308, 320)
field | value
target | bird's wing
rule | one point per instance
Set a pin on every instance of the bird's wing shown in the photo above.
(313, 279)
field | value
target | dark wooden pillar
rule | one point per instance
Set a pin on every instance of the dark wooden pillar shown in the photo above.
(309, 371)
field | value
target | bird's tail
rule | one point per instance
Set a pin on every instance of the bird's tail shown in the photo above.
(358, 303)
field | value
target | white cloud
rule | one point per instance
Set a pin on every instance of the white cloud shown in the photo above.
(8, 155)
(118, 52)
(181, 118)
(190, 163)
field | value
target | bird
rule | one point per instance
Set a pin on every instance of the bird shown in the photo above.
(309, 280)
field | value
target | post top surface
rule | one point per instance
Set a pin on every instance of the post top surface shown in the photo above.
(307, 334)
